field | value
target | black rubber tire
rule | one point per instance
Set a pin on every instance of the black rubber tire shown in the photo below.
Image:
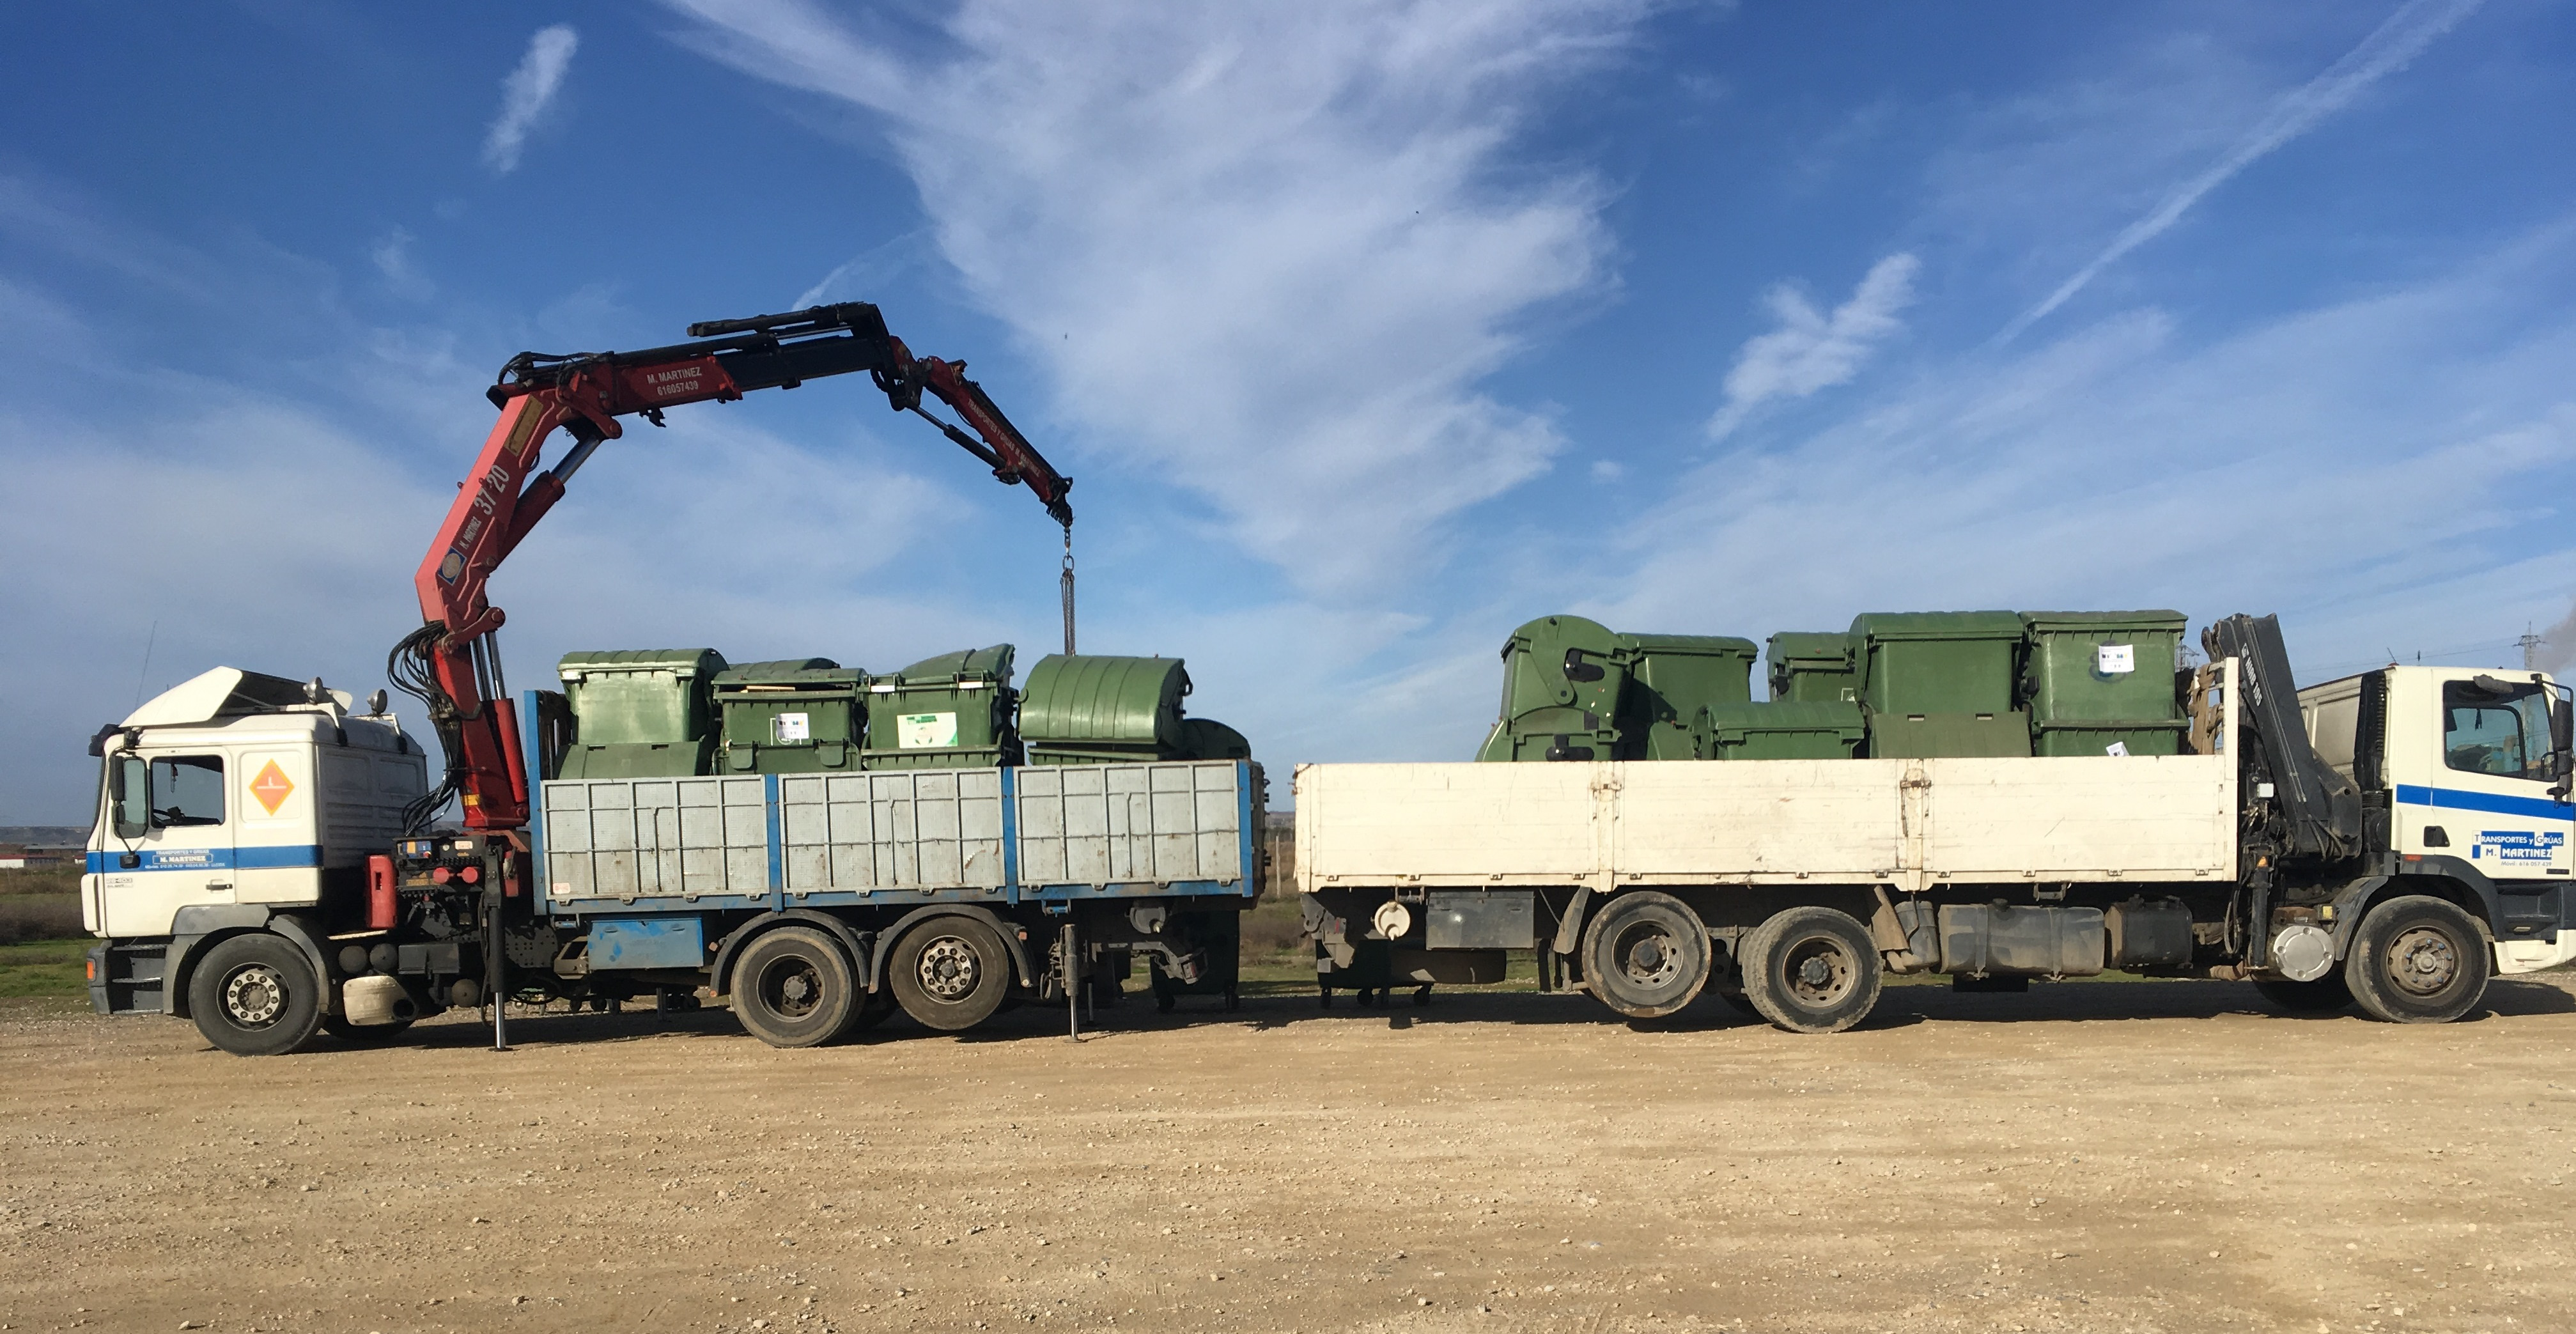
(1646, 955)
(2326, 995)
(874, 1008)
(2418, 960)
(363, 1035)
(950, 973)
(256, 995)
(1812, 970)
(793, 987)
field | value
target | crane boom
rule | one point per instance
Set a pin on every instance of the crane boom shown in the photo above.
(450, 662)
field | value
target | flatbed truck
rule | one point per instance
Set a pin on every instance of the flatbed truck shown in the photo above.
(2391, 839)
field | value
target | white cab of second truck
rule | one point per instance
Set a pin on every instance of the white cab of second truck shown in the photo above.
(1791, 885)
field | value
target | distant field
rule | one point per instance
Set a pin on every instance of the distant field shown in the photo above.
(46, 968)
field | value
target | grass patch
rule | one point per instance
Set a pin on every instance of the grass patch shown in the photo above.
(51, 969)
(44, 880)
(27, 917)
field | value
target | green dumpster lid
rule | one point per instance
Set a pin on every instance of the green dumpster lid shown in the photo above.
(2105, 620)
(1811, 646)
(982, 665)
(1786, 716)
(1937, 625)
(1208, 739)
(679, 661)
(1706, 646)
(812, 673)
(1103, 698)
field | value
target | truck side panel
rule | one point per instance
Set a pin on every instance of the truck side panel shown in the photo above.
(1905, 822)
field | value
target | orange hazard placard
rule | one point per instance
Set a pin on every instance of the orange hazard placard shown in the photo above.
(271, 787)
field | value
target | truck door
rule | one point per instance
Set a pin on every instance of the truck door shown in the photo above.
(2490, 801)
(169, 843)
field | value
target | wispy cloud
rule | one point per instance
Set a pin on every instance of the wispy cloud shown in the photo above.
(1266, 251)
(1812, 350)
(391, 255)
(526, 94)
(2387, 49)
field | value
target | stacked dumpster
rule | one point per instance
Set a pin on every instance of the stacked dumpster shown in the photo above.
(1896, 685)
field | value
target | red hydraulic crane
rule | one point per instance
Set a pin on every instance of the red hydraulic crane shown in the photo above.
(450, 662)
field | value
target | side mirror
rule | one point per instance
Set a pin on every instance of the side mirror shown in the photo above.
(2562, 743)
(129, 795)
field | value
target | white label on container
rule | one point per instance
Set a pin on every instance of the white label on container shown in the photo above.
(2117, 749)
(923, 731)
(790, 727)
(2115, 659)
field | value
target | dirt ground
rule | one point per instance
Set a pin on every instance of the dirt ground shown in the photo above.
(2151, 1156)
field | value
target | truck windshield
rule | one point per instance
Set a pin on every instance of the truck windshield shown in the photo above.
(2503, 735)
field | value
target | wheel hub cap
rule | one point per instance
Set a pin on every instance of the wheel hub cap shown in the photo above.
(949, 969)
(253, 996)
(2423, 960)
(1820, 971)
(797, 990)
(1649, 960)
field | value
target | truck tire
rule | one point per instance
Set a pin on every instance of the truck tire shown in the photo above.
(873, 1009)
(951, 973)
(2323, 996)
(1811, 970)
(256, 995)
(2417, 960)
(793, 987)
(1646, 955)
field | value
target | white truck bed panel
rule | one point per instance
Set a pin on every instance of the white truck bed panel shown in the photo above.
(1908, 823)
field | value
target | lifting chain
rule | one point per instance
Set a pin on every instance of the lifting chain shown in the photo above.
(1068, 590)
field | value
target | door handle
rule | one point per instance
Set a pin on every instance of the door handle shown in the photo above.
(218, 884)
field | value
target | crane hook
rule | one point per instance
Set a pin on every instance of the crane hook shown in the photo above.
(1068, 590)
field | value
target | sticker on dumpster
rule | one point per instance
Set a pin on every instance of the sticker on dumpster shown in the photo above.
(787, 727)
(2517, 845)
(2118, 750)
(2115, 659)
(924, 731)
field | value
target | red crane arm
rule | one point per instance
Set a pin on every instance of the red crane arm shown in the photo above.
(449, 662)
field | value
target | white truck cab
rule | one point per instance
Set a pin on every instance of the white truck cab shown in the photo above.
(235, 802)
(2464, 756)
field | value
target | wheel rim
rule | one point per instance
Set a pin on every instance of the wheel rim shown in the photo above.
(1647, 957)
(950, 969)
(2423, 960)
(1819, 971)
(254, 996)
(792, 987)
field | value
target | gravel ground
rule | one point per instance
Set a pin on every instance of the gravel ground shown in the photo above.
(2152, 1156)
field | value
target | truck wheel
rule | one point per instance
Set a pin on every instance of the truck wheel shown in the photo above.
(256, 995)
(793, 988)
(872, 1011)
(951, 973)
(1646, 955)
(1811, 970)
(2323, 996)
(2417, 960)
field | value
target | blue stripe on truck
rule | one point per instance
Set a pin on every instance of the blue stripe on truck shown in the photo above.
(2451, 798)
(292, 857)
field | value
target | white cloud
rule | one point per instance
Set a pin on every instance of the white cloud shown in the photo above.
(391, 255)
(2386, 50)
(526, 94)
(2384, 472)
(1812, 351)
(1266, 251)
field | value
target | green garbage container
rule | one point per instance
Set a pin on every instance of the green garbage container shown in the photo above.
(1942, 683)
(2104, 682)
(1208, 739)
(1811, 667)
(1783, 730)
(1563, 680)
(949, 712)
(640, 713)
(797, 716)
(1095, 708)
(1672, 678)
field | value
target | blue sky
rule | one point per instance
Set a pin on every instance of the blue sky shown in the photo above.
(1367, 331)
